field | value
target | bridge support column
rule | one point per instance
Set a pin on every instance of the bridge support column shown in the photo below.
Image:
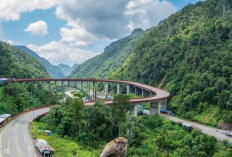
(62, 83)
(128, 89)
(155, 108)
(143, 93)
(163, 104)
(41, 84)
(55, 83)
(88, 87)
(68, 83)
(136, 91)
(81, 85)
(118, 88)
(133, 110)
(106, 89)
(35, 84)
(94, 94)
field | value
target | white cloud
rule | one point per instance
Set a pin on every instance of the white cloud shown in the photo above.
(58, 52)
(147, 13)
(10, 42)
(38, 28)
(11, 9)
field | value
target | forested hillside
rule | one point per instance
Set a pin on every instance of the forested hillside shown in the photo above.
(66, 69)
(52, 70)
(18, 64)
(112, 57)
(16, 97)
(190, 55)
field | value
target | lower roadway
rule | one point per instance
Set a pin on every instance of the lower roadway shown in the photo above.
(218, 133)
(15, 137)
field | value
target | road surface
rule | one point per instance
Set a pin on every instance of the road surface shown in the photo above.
(218, 133)
(15, 137)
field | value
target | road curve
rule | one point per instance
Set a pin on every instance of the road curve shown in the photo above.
(218, 133)
(16, 137)
(158, 94)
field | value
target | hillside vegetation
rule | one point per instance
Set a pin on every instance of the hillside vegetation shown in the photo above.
(190, 55)
(66, 69)
(112, 57)
(16, 97)
(89, 129)
(54, 71)
(19, 64)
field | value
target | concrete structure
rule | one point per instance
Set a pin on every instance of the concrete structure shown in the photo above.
(155, 108)
(118, 88)
(106, 89)
(133, 110)
(157, 98)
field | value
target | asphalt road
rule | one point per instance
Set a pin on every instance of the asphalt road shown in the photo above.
(218, 133)
(15, 137)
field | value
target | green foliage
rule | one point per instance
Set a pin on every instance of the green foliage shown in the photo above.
(112, 57)
(120, 107)
(193, 62)
(15, 98)
(52, 70)
(19, 64)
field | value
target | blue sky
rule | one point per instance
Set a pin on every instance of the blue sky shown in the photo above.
(73, 31)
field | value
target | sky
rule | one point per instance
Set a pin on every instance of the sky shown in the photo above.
(72, 31)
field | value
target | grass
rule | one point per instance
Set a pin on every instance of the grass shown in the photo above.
(62, 146)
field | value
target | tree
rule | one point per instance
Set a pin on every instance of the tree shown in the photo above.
(120, 108)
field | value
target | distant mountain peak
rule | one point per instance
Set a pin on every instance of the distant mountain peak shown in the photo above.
(136, 32)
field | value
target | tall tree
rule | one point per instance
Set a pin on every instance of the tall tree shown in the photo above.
(120, 108)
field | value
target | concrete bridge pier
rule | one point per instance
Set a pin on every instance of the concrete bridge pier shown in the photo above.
(41, 84)
(94, 94)
(163, 104)
(62, 83)
(136, 91)
(128, 89)
(154, 108)
(118, 88)
(106, 89)
(143, 93)
(35, 84)
(133, 110)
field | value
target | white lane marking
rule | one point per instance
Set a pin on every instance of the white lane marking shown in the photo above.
(24, 136)
(1, 152)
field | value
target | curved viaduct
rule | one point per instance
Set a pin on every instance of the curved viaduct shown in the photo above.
(157, 97)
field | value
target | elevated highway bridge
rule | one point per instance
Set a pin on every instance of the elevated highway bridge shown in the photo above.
(155, 96)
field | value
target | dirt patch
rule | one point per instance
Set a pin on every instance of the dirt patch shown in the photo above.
(224, 126)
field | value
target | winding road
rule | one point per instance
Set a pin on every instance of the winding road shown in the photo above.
(218, 133)
(16, 139)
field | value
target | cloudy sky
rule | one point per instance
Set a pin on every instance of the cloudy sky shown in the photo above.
(72, 31)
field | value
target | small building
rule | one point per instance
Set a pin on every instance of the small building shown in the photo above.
(44, 148)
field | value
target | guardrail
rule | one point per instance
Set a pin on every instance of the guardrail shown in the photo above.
(19, 114)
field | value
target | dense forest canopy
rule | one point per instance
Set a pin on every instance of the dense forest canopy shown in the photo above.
(190, 55)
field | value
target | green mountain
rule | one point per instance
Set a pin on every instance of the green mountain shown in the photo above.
(66, 69)
(18, 64)
(54, 71)
(190, 55)
(112, 57)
